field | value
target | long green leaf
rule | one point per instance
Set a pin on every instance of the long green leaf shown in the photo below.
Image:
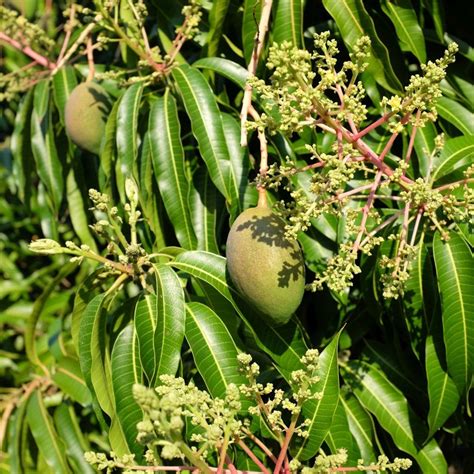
(47, 439)
(205, 206)
(217, 17)
(288, 22)
(48, 164)
(354, 21)
(126, 370)
(77, 205)
(69, 379)
(206, 122)
(251, 17)
(457, 153)
(168, 162)
(214, 351)
(401, 375)
(284, 344)
(456, 114)
(340, 437)
(64, 82)
(16, 439)
(21, 148)
(390, 407)
(443, 394)
(361, 425)
(68, 428)
(38, 307)
(455, 270)
(238, 155)
(225, 67)
(127, 130)
(424, 145)
(409, 32)
(92, 352)
(320, 412)
(108, 153)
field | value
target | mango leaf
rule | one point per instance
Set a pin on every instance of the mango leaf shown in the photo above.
(320, 412)
(284, 344)
(47, 439)
(17, 440)
(401, 375)
(437, 11)
(151, 202)
(64, 81)
(403, 16)
(159, 322)
(421, 298)
(127, 131)
(354, 21)
(456, 115)
(443, 394)
(70, 432)
(390, 407)
(168, 162)
(455, 270)
(288, 22)
(216, 24)
(361, 425)
(38, 307)
(205, 205)
(126, 371)
(84, 294)
(48, 164)
(457, 153)
(206, 122)
(424, 145)
(251, 17)
(77, 204)
(68, 378)
(214, 351)
(108, 153)
(92, 355)
(238, 156)
(226, 68)
(21, 148)
(339, 436)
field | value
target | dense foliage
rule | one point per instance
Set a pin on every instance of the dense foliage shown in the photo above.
(123, 335)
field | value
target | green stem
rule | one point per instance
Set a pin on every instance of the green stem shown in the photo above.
(195, 460)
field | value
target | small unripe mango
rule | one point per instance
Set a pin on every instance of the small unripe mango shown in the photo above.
(86, 114)
(265, 266)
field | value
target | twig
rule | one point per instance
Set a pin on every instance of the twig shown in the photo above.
(289, 433)
(262, 195)
(40, 59)
(90, 59)
(252, 456)
(85, 33)
(68, 29)
(252, 67)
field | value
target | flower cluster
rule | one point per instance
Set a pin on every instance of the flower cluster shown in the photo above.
(373, 198)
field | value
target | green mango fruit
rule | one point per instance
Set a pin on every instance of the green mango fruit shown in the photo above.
(86, 113)
(265, 266)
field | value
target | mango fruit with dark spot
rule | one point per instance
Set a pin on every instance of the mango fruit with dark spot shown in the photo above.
(86, 112)
(265, 266)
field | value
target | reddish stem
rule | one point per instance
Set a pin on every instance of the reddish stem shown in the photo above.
(41, 60)
(252, 456)
(284, 447)
(261, 445)
(372, 126)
